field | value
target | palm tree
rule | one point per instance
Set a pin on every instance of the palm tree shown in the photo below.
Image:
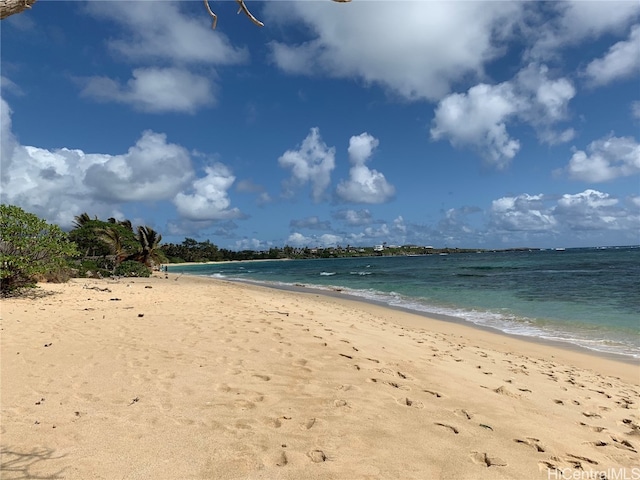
(113, 238)
(126, 224)
(82, 219)
(150, 253)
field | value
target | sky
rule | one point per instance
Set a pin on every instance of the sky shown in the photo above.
(450, 124)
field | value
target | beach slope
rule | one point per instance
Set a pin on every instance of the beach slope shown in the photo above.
(177, 377)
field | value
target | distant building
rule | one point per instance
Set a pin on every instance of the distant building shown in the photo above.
(378, 248)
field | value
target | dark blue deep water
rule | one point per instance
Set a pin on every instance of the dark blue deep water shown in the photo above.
(588, 297)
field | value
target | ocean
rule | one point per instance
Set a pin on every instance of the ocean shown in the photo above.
(588, 297)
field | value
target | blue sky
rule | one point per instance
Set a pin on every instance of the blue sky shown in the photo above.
(460, 124)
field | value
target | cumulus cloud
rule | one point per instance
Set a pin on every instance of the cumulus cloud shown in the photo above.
(354, 217)
(153, 169)
(312, 163)
(434, 44)
(364, 185)
(621, 61)
(521, 213)
(8, 142)
(154, 90)
(478, 118)
(606, 159)
(326, 240)
(208, 198)
(251, 244)
(161, 33)
(589, 212)
(574, 20)
(164, 31)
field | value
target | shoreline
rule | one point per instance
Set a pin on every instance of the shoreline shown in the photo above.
(529, 345)
(339, 293)
(183, 376)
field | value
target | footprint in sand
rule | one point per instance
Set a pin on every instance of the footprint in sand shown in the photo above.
(482, 458)
(266, 378)
(625, 444)
(504, 391)
(450, 427)
(244, 405)
(532, 442)
(308, 424)
(407, 402)
(274, 422)
(317, 456)
(282, 460)
(593, 428)
(431, 392)
(591, 415)
(464, 414)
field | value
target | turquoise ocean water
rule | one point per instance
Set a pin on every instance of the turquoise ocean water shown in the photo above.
(586, 296)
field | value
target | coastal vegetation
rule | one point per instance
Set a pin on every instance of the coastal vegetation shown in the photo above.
(32, 250)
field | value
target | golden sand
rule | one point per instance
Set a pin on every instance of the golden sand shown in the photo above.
(192, 378)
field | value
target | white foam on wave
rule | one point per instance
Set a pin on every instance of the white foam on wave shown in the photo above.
(327, 274)
(504, 322)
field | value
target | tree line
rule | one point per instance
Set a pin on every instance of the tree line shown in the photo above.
(33, 250)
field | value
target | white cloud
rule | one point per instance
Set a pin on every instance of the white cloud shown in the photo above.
(521, 213)
(7, 84)
(433, 45)
(251, 244)
(364, 185)
(621, 61)
(8, 142)
(635, 110)
(31, 177)
(354, 217)
(311, 163)
(209, 198)
(326, 240)
(478, 118)
(155, 90)
(606, 159)
(170, 41)
(299, 240)
(575, 20)
(592, 210)
(151, 170)
(568, 215)
(163, 31)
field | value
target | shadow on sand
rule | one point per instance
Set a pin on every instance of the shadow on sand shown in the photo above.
(18, 465)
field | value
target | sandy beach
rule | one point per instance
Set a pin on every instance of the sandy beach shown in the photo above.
(179, 377)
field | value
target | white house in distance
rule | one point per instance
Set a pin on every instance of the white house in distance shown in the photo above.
(378, 248)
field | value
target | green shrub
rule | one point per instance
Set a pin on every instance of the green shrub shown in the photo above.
(94, 268)
(131, 268)
(29, 248)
